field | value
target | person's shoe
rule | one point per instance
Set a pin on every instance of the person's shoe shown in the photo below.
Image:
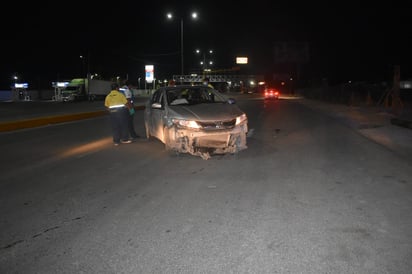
(126, 141)
(115, 144)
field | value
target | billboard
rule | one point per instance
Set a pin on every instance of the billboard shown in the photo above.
(21, 85)
(241, 60)
(149, 69)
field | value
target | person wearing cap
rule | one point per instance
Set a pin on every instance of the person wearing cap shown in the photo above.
(116, 104)
(207, 83)
(130, 118)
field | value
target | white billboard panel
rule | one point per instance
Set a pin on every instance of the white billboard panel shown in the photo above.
(149, 69)
(241, 60)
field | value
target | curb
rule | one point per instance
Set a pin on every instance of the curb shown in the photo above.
(43, 121)
(402, 123)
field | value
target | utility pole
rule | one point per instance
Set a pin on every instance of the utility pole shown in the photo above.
(396, 99)
(181, 47)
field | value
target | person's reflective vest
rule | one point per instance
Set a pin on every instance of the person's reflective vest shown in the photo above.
(115, 99)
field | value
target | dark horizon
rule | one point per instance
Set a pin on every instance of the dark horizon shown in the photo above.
(358, 45)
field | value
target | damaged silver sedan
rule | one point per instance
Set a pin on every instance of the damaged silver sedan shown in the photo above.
(198, 120)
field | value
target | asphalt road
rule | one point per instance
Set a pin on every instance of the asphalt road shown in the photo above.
(309, 195)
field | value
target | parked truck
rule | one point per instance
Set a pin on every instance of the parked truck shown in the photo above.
(80, 89)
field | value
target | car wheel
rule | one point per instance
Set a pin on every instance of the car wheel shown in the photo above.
(240, 143)
(167, 139)
(148, 135)
(168, 146)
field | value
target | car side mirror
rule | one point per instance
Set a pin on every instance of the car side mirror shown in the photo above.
(157, 105)
(231, 101)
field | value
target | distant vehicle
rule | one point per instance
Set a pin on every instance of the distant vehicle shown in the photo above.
(198, 120)
(74, 91)
(271, 93)
(80, 89)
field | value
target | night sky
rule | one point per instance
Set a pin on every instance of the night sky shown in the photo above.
(42, 41)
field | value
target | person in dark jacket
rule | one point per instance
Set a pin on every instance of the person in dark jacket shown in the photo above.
(130, 118)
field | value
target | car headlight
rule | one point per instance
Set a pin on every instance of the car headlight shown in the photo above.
(185, 123)
(240, 119)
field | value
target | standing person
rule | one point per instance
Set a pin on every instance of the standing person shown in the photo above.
(207, 83)
(116, 104)
(130, 118)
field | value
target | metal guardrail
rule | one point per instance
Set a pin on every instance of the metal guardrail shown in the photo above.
(216, 78)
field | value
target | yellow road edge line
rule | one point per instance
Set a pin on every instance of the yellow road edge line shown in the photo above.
(42, 121)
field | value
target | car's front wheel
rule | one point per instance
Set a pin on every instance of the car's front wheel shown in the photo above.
(166, 138)
(168, 143)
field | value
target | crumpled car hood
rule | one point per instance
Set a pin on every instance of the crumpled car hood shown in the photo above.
(206, 112)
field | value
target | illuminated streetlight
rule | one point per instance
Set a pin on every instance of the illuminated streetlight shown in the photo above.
(85, 70)
(83, 65)
(170, 17)
(204, 62)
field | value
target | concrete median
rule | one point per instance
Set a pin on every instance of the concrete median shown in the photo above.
(48, 120)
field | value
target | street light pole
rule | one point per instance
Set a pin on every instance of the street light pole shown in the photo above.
(181, 46)
(205, 63)
(83, 66)
(88, 64)
(170, 17)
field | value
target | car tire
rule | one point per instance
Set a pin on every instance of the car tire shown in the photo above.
(148, 136)
(169, 149)
(239, 140)
(167, 139)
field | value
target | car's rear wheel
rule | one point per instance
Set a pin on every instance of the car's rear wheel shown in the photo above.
(148, 135)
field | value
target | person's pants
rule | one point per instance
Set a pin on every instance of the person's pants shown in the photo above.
(119, 123)
(130, 122)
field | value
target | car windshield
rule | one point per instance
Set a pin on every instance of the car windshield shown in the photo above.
(193, 95)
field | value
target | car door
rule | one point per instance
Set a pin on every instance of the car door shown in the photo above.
(157, 115)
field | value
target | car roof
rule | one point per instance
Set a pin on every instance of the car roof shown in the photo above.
(184, 86)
